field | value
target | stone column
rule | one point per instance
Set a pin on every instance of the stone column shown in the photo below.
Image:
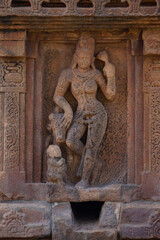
(135, 108)
(12, 108)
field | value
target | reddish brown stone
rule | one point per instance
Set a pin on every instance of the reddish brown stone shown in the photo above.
(119, 41)
(19, 220)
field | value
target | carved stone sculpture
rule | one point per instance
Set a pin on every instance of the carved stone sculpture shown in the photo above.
(56, 164)
(83, 79)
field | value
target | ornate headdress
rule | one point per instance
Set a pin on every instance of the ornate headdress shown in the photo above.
(86, 42)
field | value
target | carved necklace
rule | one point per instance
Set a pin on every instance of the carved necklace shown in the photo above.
(83, 76)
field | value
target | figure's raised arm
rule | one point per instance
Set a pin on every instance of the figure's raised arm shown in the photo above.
(108, 87)
(61, 88)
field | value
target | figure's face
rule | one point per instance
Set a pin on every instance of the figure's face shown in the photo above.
(84, 60)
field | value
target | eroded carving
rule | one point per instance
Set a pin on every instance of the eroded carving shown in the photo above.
(56, 164)
(12, 131)
(155, 131)
(155, 224)
(151, 85)
(13, 222)
(83, 79)
(11, 74)
(36, 4)
(152, 71)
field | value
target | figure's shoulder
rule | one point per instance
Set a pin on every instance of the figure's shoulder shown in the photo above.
(98, 73)
(66, 73)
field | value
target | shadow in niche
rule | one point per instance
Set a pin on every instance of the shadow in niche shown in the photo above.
(85, 4)
(20, 3)
(53, 4)
(86, 212)
(148, 3)
(115, 3)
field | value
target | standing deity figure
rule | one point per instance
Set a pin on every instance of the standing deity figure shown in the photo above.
(83, 79)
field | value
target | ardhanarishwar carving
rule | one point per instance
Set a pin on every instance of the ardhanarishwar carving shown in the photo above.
(83, 79)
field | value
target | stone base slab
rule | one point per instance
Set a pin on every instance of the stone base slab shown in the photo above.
(40, 220)
(68, 193)
(25, 220)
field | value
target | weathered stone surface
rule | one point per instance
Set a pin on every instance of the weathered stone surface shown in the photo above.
(110, 215)
(140, 220)
(62, 220)
(92, 235)
(117, 193)
(81, 8)
(90, 117)
(39, 40)
(24, 220)
(151, 42)
(64, 227)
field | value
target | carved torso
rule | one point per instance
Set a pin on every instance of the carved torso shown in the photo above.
(84, 89)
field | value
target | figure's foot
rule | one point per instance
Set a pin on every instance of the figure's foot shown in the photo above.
(82, 184)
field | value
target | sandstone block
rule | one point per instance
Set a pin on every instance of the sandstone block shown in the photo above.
(140, 220)
(25, 220)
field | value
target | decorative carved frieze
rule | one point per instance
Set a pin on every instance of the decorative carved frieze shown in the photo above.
(155, 131)
(11, 135)
(99, 7)
(24, 220)
(152, 111)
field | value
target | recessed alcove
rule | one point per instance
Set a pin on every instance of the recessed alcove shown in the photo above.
(85, 4)
(20, 3)
(86, 212)
(53, 4)
(148, 3)
(115, 4)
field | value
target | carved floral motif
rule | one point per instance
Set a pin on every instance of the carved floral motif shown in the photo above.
(155, 131)
(14, 222)
(155, 224)
(12, 130)
(151, 85)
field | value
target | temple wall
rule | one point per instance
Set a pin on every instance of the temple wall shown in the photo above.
(38, 41)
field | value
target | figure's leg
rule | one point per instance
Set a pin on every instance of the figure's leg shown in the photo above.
(74, 135)
(94, 137)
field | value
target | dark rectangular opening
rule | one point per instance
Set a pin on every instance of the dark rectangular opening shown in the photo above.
(86, 211)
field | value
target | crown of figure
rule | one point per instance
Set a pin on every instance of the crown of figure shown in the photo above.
(86, 42)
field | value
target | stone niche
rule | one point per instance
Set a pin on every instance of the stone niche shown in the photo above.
(111, 162)
(53, 55)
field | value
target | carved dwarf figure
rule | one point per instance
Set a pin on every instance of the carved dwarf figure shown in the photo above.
(84, 79)
(56, 165)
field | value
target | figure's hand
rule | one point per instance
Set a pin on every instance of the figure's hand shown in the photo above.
(67, 119)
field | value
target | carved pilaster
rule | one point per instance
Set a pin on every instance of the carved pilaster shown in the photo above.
(151, 89)
(12, 107)
(152, 113)
(12, 90)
